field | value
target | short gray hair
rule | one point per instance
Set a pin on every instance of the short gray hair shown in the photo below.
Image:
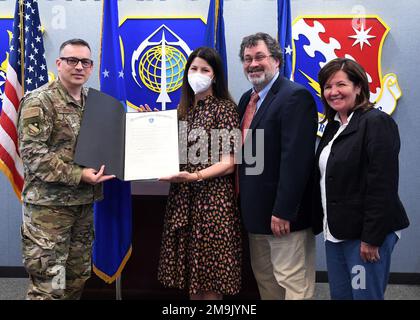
(271, 43)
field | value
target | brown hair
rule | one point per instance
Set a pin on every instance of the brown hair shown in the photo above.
(219, 84)
(271, 43)
(355, 73)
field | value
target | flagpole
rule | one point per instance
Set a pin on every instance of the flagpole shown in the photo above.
(118, 288)
(22, 46)
(216, 16)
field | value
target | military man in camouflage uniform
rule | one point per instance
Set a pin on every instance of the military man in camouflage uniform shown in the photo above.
(58, 195)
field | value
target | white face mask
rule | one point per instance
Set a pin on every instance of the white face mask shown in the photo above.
(199, 82)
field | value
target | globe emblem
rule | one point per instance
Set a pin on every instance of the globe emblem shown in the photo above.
(150, 68)
(158, 64)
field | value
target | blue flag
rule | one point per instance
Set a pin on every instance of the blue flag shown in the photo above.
(215, 31)
(112, 246)
(285, 35)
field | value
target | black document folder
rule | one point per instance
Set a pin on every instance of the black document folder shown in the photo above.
(102, 134)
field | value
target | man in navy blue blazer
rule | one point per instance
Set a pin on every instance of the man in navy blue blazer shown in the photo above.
(277, 161)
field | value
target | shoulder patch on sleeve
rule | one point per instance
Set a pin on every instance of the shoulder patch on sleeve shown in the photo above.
(31, 113)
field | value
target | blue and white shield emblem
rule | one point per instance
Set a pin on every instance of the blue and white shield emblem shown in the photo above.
(155, 54)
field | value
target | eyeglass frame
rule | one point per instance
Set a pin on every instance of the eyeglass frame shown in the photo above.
(257, 58)
(85, 60)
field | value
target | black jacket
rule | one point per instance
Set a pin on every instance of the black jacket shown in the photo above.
(362, 179)
(288, 119)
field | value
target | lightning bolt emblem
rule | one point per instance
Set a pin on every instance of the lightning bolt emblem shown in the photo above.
(313, 83)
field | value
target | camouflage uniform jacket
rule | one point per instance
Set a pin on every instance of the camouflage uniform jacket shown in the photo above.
(48, 126)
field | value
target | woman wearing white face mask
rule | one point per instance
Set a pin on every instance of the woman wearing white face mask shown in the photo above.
(201, 242)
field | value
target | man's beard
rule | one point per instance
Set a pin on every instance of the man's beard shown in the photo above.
(260, 81)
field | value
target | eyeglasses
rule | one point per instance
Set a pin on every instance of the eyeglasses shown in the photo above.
(257, 58)
(73, 61)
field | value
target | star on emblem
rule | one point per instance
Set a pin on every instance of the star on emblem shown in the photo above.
(362, 36)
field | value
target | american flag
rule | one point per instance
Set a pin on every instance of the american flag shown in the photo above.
(26, 71)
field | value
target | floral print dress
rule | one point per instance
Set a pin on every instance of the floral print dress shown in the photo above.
(201, 241)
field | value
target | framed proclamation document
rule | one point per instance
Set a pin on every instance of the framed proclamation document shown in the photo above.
(132, 146)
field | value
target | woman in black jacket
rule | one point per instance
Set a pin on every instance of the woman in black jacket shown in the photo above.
(356, 198)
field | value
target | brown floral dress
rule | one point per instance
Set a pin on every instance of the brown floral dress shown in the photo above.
(201, 241)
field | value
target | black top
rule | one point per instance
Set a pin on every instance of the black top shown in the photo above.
(361, 179)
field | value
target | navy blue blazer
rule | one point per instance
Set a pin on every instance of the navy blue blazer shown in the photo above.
(361, 179)
(288, 117)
